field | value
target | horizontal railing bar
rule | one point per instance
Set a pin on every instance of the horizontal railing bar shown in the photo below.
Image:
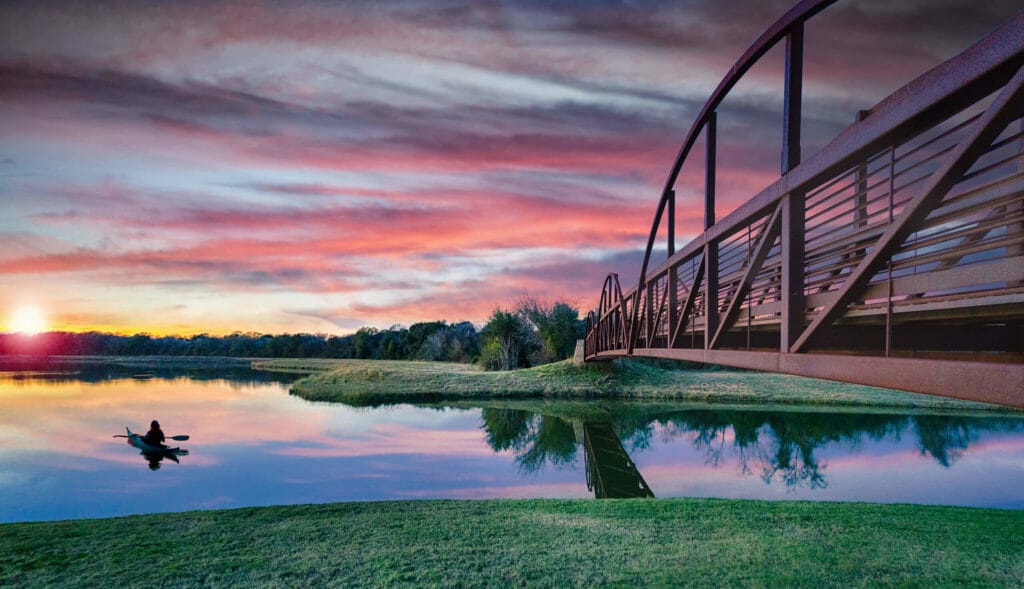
(814, 199)
(931, 141)
(961, 230)
(981, 246)
(989, 167)
(963, 209)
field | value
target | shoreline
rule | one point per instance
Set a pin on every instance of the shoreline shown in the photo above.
(199, 362)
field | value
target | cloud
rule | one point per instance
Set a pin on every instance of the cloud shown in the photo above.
(394, 161)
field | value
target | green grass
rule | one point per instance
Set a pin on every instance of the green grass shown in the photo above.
(376, 382)
(527, 543)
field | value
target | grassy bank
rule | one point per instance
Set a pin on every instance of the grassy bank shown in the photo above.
(536, 542)
(375, 382)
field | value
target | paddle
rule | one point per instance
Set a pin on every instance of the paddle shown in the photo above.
(181, 438)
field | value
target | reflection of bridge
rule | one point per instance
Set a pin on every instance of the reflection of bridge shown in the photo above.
(611, 473)
(893, 257)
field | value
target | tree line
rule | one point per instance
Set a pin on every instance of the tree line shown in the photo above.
(526, 334)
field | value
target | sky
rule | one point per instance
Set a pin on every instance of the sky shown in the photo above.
(190, 167)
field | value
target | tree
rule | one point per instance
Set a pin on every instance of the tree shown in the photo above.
(363, 343)
(463, 343)
(435, 345)
(419, 333)
(507, 334)
(558, 325)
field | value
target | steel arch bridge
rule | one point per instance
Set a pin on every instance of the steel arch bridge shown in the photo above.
(892, 257)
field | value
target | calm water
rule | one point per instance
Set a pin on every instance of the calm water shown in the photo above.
(254, 444)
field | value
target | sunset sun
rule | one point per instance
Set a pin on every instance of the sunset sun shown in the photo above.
(27, 319)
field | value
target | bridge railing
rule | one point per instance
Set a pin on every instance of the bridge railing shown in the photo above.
(912, 217)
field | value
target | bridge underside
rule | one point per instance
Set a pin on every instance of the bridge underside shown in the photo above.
(893, 257)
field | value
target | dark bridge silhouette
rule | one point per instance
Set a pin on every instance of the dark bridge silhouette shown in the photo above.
(893, 257)
(611, 473)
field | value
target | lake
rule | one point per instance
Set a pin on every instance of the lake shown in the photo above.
(254, 444)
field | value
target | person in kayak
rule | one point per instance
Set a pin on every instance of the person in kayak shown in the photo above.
(155, 435)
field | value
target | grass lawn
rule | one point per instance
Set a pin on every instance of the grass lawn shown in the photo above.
(375, 382)
(703, 542)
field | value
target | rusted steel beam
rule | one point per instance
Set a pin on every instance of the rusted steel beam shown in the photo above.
(792, 98)
(794, 306)
(624, 321)
(792, 205)
(671, 222)
(860, 204)
(1006, 108)
(1001, 384)
(1017, 228)
(661, 311)
(769, 232)
(710, 291)
(687, 310)
(710, 166)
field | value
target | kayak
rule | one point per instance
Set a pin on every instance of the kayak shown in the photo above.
(137, 441)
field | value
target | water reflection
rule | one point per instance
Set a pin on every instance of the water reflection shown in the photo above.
(254, 444)
(155, 458)
(538, 439)
(777, 446)
(611, 473)
(70, 370)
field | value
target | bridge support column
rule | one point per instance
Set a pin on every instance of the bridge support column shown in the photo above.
(711, 248)
(1017, 229)
(793, 303)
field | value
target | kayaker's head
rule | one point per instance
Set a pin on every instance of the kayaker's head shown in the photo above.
(155, 424)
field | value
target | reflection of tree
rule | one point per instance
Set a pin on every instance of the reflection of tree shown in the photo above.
(535, 439)
(506, 428)
(779, 445)
(944, 437)
(782, 444)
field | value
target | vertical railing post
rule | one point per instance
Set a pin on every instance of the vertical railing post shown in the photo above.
(711, 152)
(671, 222)
(710, 248)
(673, 272)
(1016, 229)
(792, 98)
(888, 264)
(792, 238)
(860, 200)
(648, 313)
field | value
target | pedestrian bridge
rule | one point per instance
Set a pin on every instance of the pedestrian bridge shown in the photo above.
(892, 257)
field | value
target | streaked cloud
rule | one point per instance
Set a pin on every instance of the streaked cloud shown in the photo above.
(310, 166)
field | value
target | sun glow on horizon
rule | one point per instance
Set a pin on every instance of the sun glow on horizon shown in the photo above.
(29, 320)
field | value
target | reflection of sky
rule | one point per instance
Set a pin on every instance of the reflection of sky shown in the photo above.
(250, 444)
(253, 444)
(990, 473)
